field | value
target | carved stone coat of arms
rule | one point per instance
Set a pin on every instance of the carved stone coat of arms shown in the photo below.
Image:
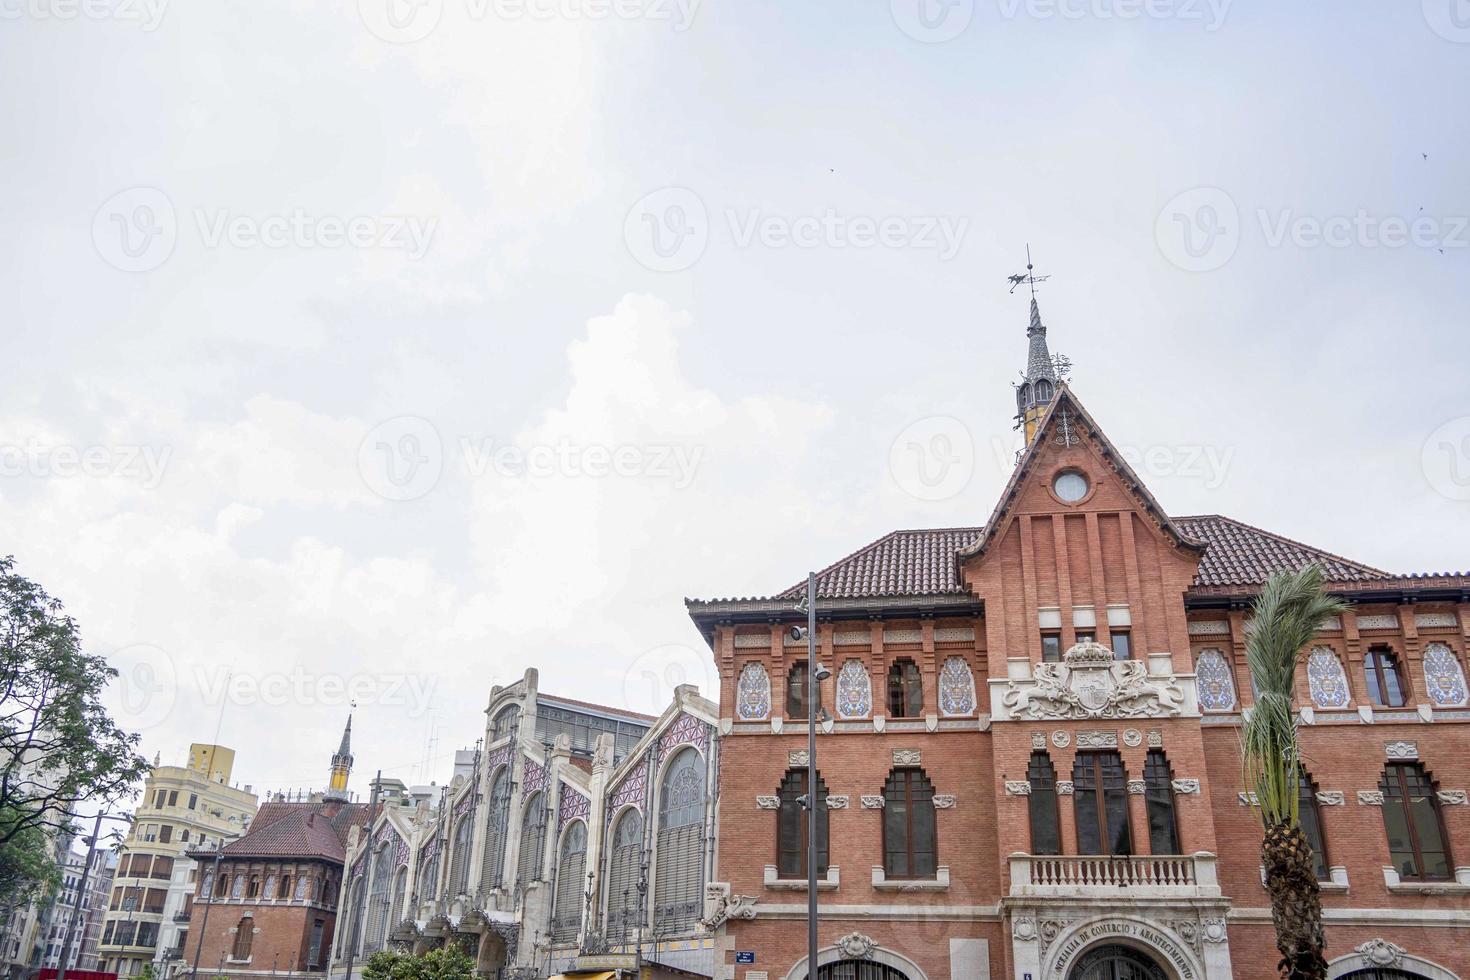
(1089, 683)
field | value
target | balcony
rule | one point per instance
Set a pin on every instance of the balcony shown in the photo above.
(1103, 876)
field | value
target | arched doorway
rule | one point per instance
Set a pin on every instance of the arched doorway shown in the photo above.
(859, 970)
(1116, 963)
(1382, 973)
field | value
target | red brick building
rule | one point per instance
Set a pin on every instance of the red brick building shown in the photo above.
(1031, 764)
(266, 904)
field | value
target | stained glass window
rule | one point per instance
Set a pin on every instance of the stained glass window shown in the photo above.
(1444, 678)
(1215, 680)
(753, 694)
(854, 690)
(956, 687)
(1326, 680)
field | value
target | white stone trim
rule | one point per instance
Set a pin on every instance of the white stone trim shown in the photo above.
(1435, 620)
(1330, 797)
(1137, 787)
(939, 883)
(768, 802)
(1065, 787)
(1387, 621)
(1370, 797)
(1451, 797)
(957, 634)
(1401, 749)
(872, 802)
(1379, 953)
(1186, 787)
(752, 641)
(837, 802)
(1209, 627)
(908, 757)
(1018, 787)
(776, 883)
(944, 801)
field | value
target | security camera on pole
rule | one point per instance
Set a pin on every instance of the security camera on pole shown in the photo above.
(816, 673)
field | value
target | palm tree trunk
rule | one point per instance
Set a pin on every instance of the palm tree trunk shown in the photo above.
(1296, 903)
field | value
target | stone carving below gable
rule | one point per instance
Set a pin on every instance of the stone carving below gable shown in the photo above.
(1097, 740)
(837, 803)
(1452, 797)
(1089, 683)
(1401, 750)
(797, 757)
(1186, 786)
(726, 907)
(1023, 929)
(872, 802)
(1018, 787)
(1370, 797)
(1038, 740)
(1330, 797)
(768, 802)
(944, 801)
(1060, 739)
(1381, 952)
(907, 757)
(1132, 737)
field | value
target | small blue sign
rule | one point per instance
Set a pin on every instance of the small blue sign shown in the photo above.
(745, 956)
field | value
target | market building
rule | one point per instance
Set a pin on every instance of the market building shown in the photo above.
(1031, 763)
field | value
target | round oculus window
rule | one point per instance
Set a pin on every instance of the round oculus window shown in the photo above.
(1070, 486)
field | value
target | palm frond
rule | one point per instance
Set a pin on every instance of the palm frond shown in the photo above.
(1288, 613)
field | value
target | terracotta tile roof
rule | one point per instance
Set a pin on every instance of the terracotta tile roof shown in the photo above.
(922, 562)
(1241, 554)
(299, 830)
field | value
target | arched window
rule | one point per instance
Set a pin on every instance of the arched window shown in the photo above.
(533, 840)
(1100, 802)
(1158, 788)
(905, 689)
(571, 868)
(624, 866)
(1417, 842)
(244, 938)
(678, 894)
(1385, 686)
(796, 687)
(753, 693)
(1023, 396)
(1311, 821)
(428, 884)
(859, 970)
(1046, 833)
(459, 860)
(507, 720)
(910, 846)
(377, 907)
(791, 826)
(497, 828)
(395, 907)
(1043, 391)
(270, 888)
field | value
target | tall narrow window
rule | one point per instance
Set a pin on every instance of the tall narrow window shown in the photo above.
(533, 840)
(1122, 645)
(1100, 801)
(244, 937)
(905, 689)
(909, 843)
(624, 867)
(791, 826)
(1051, 648)
(571, 867)
(497, 827)
(506, 722)
(796, 687)
(1417, 842)
(459, 860)
(377, 904)
(1046, 834)
(395, 907)
(1311, 820)
(678, 894)
(1385, 686)
(1158, 785)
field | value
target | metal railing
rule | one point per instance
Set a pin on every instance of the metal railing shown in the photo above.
(1137, 875)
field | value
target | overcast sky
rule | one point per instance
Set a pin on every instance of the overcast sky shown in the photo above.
(384, 351)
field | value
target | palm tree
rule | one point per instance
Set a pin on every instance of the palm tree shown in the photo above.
(1288, 613)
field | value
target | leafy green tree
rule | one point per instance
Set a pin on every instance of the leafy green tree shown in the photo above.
(1291, 608)
(27, 866)
(58, 745)
(447, 963)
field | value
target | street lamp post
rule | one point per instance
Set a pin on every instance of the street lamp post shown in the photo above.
(816, 673)
(82, 891)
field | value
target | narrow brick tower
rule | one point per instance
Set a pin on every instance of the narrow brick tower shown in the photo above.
(341, 766)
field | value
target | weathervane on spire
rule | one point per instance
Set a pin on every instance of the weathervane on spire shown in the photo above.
(1029, 277)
